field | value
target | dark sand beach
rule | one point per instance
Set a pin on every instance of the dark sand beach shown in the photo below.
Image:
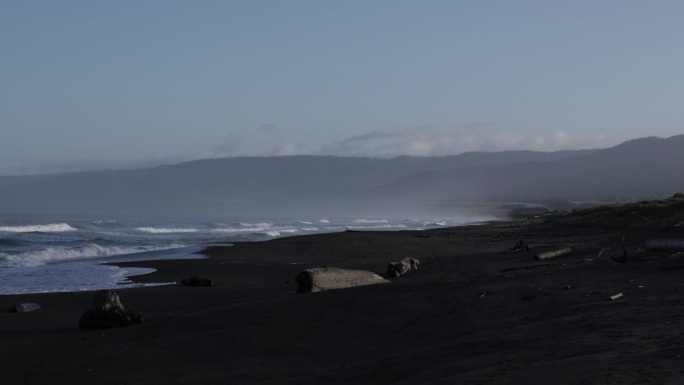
(473, 313)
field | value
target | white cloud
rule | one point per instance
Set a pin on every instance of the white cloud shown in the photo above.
(561, 138)
(437, 141)
(285, 149)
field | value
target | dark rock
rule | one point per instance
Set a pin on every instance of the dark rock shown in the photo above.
(397, 269)
(196, 281)
(106, 312)
(520, 246)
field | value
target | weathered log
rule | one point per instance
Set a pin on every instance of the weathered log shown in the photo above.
(616, 296)
(106, 311)
(196, 281)
(26, 307)
(397, 269)
(673, 244)
(553, 254)
(330, 278)
(673, 262)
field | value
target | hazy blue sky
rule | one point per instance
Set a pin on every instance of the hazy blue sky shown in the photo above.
(92, 84)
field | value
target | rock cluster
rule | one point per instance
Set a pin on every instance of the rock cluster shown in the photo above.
(397, 269)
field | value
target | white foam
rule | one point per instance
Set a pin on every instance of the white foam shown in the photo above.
(69, 277)
(239, 230)
(165, 230)
(437, 223)
(56, 254)
(324, 221)
(49, 228)
(370, 221)
(273, 233)
(378, 226)
(103, 223)
(259, 224)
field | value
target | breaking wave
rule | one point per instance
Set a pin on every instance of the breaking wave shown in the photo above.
(49, 228)
(165, 230)
(259, 224)
(378, 226)
(56, 254)
(370, 221)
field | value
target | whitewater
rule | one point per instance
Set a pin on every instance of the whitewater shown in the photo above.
(68, 254)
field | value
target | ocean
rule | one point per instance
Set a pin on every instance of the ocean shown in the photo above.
(51, 254)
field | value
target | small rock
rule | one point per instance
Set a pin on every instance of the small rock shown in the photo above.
(196, 281)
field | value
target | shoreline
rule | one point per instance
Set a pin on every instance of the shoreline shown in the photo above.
(473, 312)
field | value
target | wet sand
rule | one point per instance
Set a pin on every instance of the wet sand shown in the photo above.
(474, 313)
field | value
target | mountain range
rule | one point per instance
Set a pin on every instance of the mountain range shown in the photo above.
(325, 185)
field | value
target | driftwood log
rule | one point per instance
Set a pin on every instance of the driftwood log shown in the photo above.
(673, 262)
(397, 269)
(106, 312)
(665, 244)
(553, 254)
(329, 278)
(26, 307)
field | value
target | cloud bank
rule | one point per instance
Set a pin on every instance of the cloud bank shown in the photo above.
(269, 140)
(438, 141)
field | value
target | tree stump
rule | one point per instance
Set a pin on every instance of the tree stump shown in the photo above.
(106, 312)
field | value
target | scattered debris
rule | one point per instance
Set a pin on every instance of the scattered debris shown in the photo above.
(483, 294)
(616, 296)
(553, 254)
(397, 269)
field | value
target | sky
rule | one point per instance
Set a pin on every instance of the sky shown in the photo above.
(121, 84)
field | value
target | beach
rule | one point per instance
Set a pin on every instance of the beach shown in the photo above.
(473, 313)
